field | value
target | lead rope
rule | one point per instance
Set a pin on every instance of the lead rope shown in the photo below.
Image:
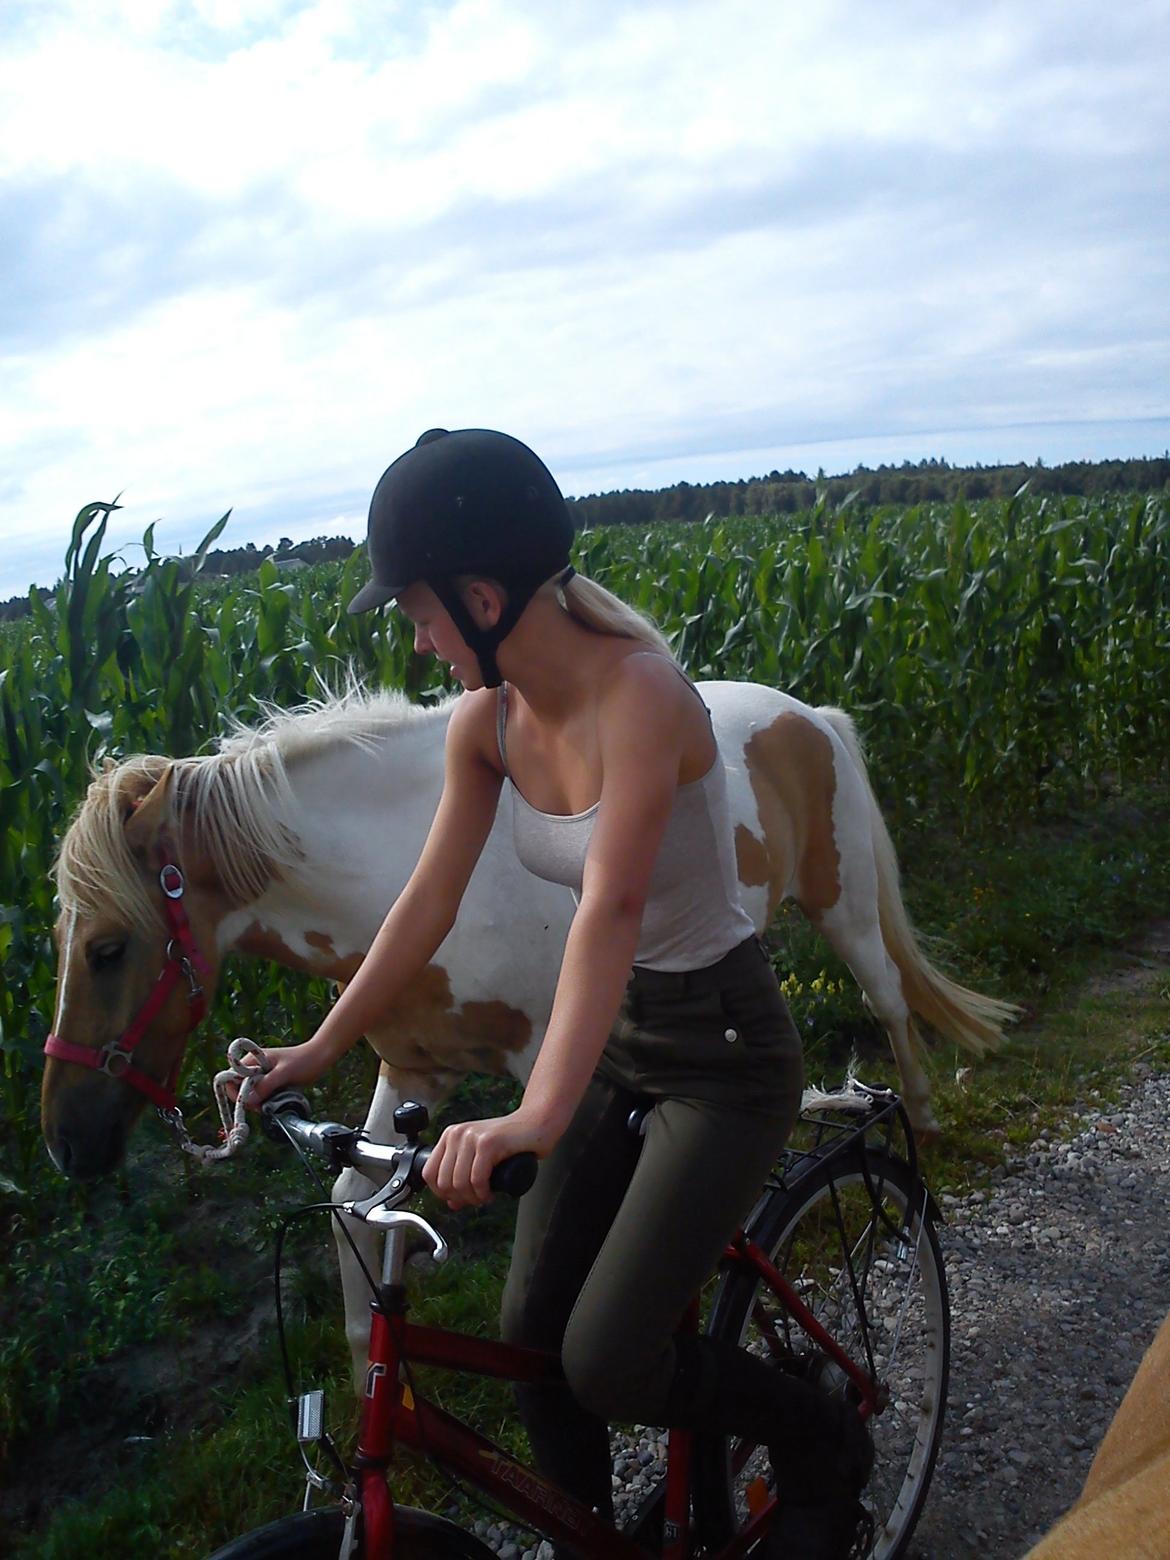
(851, 1097)
(235, 1129)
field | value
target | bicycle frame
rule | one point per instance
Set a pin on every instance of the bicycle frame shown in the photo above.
(392, 1413)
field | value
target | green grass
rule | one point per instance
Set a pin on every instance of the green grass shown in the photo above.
(187, 1490)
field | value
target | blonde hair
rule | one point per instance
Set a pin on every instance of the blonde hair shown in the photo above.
(596, 608)
(592, 606)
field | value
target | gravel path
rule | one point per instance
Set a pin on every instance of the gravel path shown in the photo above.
(1060, 1276)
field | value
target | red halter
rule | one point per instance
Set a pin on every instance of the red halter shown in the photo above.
(183, 960)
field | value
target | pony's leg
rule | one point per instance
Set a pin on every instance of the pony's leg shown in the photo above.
(853, 930)
(845, 875)
(819, 823)
(394, 1086)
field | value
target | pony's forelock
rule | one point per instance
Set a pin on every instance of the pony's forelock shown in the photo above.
(96, 871)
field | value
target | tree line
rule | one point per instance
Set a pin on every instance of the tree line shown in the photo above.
(924, 482)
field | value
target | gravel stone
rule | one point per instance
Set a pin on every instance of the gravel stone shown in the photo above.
(1051, 1314)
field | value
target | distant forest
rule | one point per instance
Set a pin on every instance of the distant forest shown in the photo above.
(930, 481)
(780, 492)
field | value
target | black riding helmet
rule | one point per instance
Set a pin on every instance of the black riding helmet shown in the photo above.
(468, 502)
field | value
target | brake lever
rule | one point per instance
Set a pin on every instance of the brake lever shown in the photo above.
(390, 1219)
(388, 1196)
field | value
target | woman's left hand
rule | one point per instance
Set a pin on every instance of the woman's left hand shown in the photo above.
(461, 1164)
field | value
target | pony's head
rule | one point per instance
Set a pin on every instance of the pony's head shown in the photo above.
(142, 888)
(224, 829)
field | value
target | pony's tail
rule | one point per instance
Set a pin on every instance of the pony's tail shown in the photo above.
(968, 1018)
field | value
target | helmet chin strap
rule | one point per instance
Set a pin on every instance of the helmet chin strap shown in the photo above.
(484, 641)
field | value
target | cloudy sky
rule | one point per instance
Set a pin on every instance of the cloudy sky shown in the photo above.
(251, 248)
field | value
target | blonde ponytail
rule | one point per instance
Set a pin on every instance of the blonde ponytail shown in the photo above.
(596, 608)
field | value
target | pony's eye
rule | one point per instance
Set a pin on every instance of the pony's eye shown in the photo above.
(104, 954)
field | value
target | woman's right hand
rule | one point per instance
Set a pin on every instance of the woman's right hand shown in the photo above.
(289, 1067)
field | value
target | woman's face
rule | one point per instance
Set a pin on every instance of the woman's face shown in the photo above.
(435, 634)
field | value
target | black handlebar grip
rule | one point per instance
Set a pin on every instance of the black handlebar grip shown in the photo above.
(284, 1102)
(514, 1176)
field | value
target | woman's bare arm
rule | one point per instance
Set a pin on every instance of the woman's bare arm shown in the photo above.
(423, 913)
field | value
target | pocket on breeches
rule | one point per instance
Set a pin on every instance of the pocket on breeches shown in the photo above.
(734, 1045)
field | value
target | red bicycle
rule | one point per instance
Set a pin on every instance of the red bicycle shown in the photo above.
(836, 1276)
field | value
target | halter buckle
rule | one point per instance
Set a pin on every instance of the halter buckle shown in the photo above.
(111, 1054)
(171, 881)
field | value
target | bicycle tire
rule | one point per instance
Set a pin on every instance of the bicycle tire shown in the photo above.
(316, 1535)
(904, 1317)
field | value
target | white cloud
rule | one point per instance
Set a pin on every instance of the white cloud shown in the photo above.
(258, 246)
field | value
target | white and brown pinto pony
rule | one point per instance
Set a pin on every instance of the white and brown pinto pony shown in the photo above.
(291, 842)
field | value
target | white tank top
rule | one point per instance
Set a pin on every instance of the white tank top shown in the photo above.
(693, 914)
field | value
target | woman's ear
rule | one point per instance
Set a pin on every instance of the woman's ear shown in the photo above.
(484, 599)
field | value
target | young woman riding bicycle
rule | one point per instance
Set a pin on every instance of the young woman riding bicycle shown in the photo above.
(573, 702)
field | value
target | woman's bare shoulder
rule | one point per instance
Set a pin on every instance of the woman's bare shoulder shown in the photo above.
(651, 706)
(471, 732)
(647, 675)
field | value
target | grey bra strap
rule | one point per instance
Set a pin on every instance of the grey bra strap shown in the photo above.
(502, 724)
(686, 677)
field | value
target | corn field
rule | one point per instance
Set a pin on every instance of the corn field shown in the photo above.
(993, 655)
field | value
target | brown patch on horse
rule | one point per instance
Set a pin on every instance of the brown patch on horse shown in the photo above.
(264, 942)
(752, 864)
(342, 967)
(425, 1031)
(790, 766)
(428, 1033)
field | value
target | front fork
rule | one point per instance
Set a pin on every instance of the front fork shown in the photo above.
(376, 1440)
(367, 1503)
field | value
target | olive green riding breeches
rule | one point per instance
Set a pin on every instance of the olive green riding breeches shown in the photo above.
(621, 1230)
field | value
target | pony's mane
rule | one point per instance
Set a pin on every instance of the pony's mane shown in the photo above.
(358, 715)
(238, 799)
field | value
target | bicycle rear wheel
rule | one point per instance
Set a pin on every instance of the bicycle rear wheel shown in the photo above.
(857, 1244)
(316, 1535)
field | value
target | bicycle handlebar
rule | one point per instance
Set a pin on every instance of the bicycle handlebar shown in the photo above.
(285, 1114)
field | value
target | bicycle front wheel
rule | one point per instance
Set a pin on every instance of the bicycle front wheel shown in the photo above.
(857, 1243)
(316, 1535)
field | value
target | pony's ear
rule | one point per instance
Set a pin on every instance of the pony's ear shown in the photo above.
(149, 815)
